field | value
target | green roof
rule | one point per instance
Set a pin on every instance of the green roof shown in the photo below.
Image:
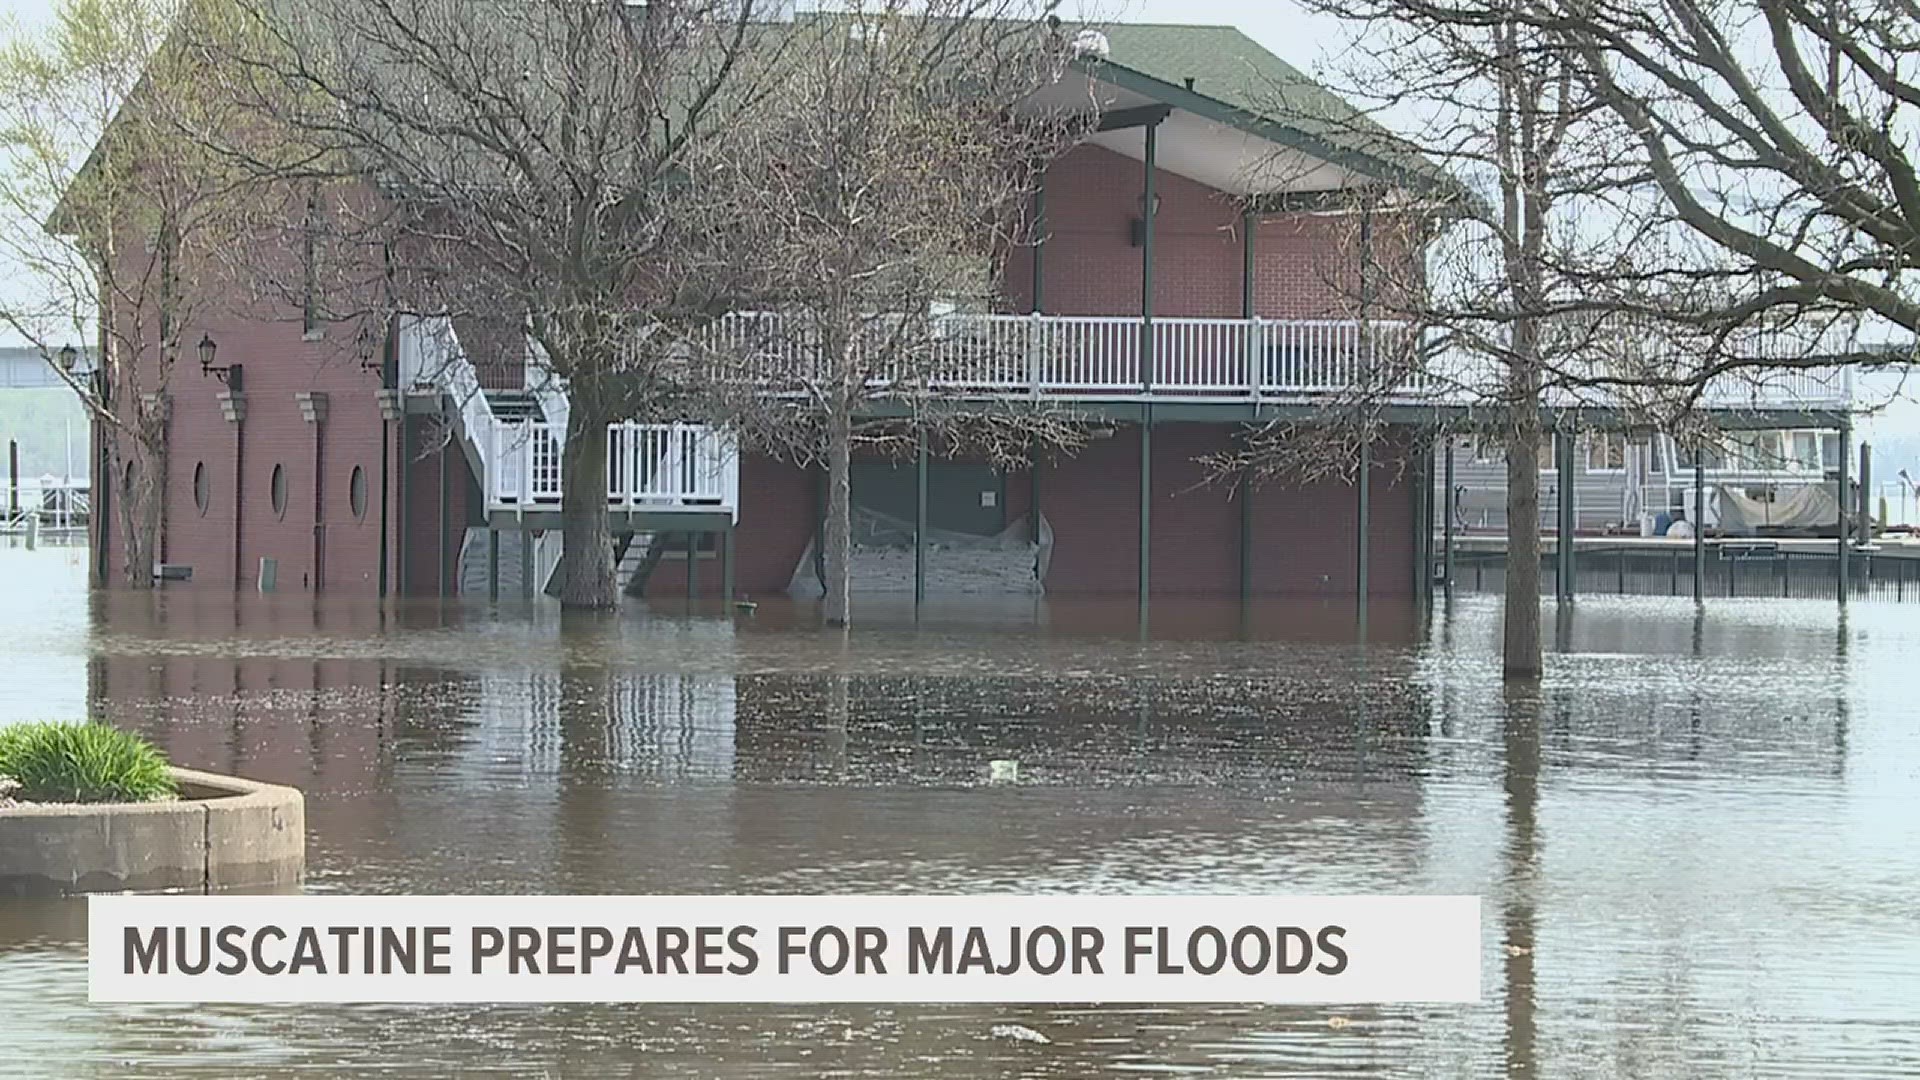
(1236, 82)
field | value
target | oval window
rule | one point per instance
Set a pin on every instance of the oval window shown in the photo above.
(357, 493)
(201, 487)
(278, 491)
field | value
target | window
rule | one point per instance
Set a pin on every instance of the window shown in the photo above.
(1755, 451)
(201, 487)
(1711, 459)
(278, 491)
(1606, 452)
(1487, 449)
(357, 493)
(1830, 450)
(1548, 460)
(1806, 451)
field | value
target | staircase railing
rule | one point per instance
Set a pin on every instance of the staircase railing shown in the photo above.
(430, 355)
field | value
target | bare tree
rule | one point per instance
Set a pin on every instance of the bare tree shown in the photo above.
(891, 180)
(114, 226)
(1506, 257)
(1780, 130)
(527, 164)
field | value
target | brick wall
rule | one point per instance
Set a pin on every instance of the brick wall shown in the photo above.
(278, 361)
(1304, 265)
(1303, 533)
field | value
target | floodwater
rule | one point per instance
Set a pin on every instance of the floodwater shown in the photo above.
(1698, 842)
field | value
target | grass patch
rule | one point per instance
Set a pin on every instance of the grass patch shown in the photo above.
(84, 763)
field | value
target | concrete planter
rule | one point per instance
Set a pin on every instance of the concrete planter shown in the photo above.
(222, 833)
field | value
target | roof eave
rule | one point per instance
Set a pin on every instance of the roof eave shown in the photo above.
(1262, 127)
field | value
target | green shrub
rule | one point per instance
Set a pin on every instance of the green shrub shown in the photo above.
(58, 762)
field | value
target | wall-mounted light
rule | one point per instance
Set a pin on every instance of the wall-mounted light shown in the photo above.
(226, 373)
(1137, 228)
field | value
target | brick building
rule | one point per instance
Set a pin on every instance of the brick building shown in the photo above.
(1156, 300)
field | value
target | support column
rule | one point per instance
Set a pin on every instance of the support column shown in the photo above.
(1146, 502)
(446, 507)
(1699, 524)
(1363, 550)
(1841, 552)
(1423, 528)
(528, 587)
(693, 566)
(920, 520)
(1248, 222)
(493, 563)
(1563, 550)
(1039, 242)
(1447, 509)
(726, 564)
(1246, 534)
(1864, 504)
(402, 550)
(1147, 217)
(1033, 488)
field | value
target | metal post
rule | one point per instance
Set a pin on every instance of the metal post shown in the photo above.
(693, 565)
(726, 563)
(1362, 549)
(1447, 555)
(920, 521)
(1246, 534)
(1846, 447)
(1146, 262)
(446, 500)
(1247, 224)
(1033, 486)
(1699, 524)
(1146, 500)
(403, 547)
(493, 563)
(1039, 241)
(527, 585)
(13, 479)
(1423, 523)
(1865, 531)
(1563, 550)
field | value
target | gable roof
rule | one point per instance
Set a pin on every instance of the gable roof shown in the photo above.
(1238, 83)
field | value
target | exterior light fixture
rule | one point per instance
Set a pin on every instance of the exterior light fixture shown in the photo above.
(69, 358)
(226, 373)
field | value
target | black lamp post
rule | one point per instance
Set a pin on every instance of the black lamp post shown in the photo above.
(228, 374)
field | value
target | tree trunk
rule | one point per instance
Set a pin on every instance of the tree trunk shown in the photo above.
(1522, 650)
(140, 523)
(586, 572)
(838, 541)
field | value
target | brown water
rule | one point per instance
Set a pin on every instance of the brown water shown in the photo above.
(1698, 841)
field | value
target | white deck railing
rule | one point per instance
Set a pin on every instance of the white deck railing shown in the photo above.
(1065, 358)
(1099, 357)
(688, 467)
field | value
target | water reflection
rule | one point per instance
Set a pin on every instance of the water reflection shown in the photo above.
(1659, 830)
